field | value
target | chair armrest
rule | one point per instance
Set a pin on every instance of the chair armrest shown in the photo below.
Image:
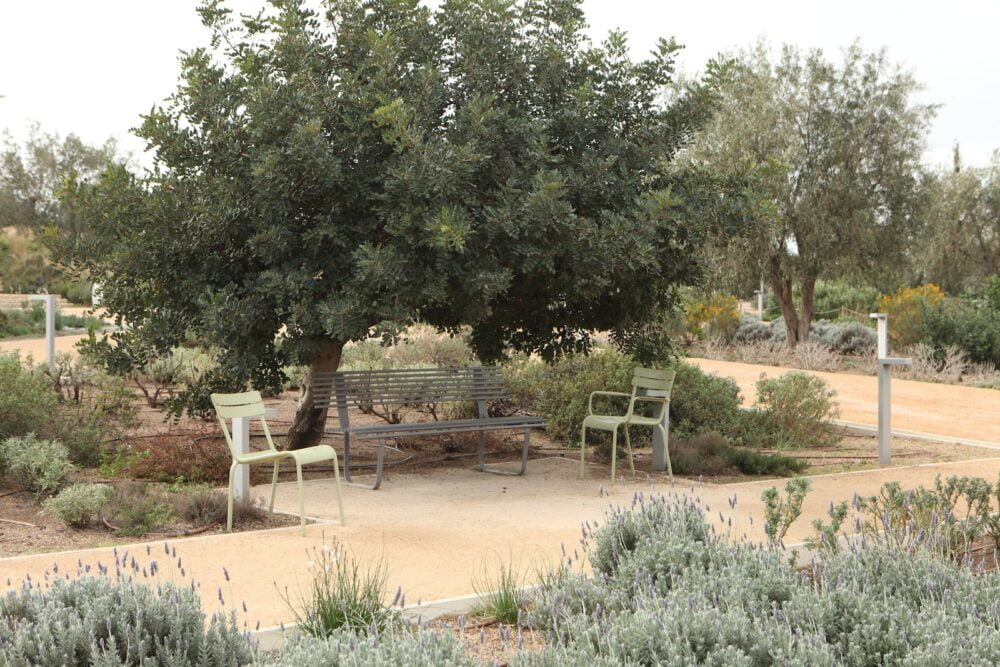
(590, 403)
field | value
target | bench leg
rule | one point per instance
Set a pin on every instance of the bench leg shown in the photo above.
(496, 471)
(378, 466)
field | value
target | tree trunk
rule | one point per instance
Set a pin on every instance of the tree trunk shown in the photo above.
(307, 427)
(782, 288)
(807, 308)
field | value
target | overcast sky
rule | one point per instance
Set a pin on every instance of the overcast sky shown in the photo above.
(93, 67)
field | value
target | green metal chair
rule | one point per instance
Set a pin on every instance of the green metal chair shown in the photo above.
(643, 380)
(250, 404)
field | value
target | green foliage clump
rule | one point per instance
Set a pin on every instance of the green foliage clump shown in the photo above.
(344, 596)
(704, 403)
(27, 402)
(39, 465)
(98, 621)
(559, 391)
(714, 454)
(79, 505)
(419, 346)
(832, 296)
(794, 411)
(136, 510)
(669, 590)
(971, 326)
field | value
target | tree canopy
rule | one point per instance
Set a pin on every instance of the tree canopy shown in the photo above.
(323, 177)
(831, 157)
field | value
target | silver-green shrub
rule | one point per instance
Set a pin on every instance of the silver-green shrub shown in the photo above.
(100, 621)
(668, 590)
(398, 648)
(80, 504)
(40, 465)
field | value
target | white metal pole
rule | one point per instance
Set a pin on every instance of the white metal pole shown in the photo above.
(760, 301)
(50, 326)
(241, 438)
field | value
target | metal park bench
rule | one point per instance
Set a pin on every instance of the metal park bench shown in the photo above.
(390, 390)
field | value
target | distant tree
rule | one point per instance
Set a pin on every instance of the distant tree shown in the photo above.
(327, 177)
(959, 246)
(33, 172)
(831, 155)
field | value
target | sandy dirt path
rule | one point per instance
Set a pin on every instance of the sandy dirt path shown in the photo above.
(36, 346)
(940, 409)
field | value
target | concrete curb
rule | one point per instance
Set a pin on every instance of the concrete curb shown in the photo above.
(855, 428)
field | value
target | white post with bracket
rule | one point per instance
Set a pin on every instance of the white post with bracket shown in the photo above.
(50, 326)
(241, 438)
(884, 370)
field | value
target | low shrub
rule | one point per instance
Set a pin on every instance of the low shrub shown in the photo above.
(713, 454)
(907, 309)
(752, 330)
(703, 403)
(39, 465)
(419, 346)
(794, 411)
(669, 590)
(79, 505)
(136, 510)
(559, 391)
(830, 297)
(849, 338)
(716, 315)
(397, 647)
(27, 402)
(344, 596)
(971, 326)
(97, 621)
(205, 506)
(174, 459)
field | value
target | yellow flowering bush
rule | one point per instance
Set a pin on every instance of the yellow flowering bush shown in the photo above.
(906, 308)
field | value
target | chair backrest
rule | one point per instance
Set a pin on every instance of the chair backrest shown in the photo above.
(245, 404)
(650, 379)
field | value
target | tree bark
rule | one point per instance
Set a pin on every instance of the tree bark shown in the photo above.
(782, 288)
(806, 308)
(307, 427)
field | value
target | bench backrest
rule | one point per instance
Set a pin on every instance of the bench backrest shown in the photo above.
(407, 386)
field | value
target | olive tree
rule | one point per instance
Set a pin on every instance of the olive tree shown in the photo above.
(327, 176)
(831, 156)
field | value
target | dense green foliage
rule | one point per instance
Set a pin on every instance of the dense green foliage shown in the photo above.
(31, 322)
(100, 621)
(320, 177)
(714, 454)
(27, 401)
(796, 411)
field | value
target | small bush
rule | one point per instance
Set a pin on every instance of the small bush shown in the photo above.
(419, 346)
(96, 621)
(27, 402)
(40, 465)
(206, 507)
(959, 322)
(906, 309)
(79, 505)
(703, 403)
(136, 510)
(794, 411)
(171, 459)
(849, 338)
(717, 315)
(713, 454)
(344, 596)
(832, 296)
(752, 330)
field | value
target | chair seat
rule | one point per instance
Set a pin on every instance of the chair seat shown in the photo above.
(611, 422)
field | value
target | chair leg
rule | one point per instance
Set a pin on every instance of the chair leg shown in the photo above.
(340, 496)
(274, 488)
(302, 502)
(666, 450)
(229, 506)
(614, 451)
(628, 446)
(583, 451)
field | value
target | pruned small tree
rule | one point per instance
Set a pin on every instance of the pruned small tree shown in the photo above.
(322, 178)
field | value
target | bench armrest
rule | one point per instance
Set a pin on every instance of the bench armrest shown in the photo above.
(590, 403)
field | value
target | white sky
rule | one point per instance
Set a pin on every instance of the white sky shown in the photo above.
(92, 67)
